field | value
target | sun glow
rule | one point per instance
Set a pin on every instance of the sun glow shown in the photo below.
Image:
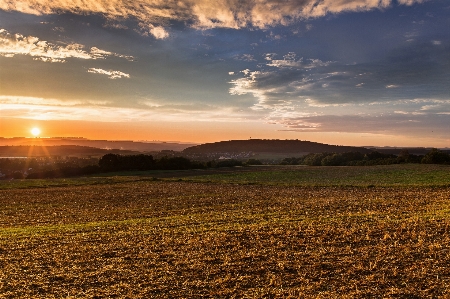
(35, 132)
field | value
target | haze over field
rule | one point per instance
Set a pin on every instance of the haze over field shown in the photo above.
(356, 72)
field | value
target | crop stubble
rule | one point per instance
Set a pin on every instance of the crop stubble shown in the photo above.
(190, 240)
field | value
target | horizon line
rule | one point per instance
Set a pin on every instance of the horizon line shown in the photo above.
(199, 143)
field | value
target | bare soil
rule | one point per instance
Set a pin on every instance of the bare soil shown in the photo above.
(161, 239)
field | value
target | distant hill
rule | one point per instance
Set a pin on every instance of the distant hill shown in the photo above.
(57, 150)
(140, 146)
(271, 146)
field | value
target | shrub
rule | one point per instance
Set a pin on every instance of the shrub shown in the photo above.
(228, 163)
(253, 162)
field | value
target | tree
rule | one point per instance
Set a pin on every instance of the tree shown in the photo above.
(109, 162)
(314, 159)
(403, 156)
(333, 160)
(436, 156)
(253, 162)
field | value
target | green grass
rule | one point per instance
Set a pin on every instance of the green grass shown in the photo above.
(364, 176)
(144, 173)
(100, 178)
(382, 175)
(62, 182)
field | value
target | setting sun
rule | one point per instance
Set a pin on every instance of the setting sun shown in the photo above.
(35, 132)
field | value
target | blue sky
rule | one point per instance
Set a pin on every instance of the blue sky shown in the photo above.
(357, 72)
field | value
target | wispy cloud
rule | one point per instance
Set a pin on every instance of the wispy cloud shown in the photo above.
(106, 111)
(110, 73)
(17, 44)
(52, 112)
(404, 124)
(410, 2)
(20, 100)
(290, 60)
(245, 57)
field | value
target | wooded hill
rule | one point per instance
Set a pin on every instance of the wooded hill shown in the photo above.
(271, 146)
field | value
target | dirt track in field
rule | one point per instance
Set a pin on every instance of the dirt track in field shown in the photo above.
(191, 240)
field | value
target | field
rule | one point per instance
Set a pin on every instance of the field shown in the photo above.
(266, 233)
(381, 175)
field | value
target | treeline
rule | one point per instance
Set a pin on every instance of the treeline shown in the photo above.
(45, 168)
(13, 168)
(435, 156)
(32, 169)
(115, 162)
(112, 162)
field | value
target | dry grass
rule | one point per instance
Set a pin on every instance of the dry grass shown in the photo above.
(194, 240)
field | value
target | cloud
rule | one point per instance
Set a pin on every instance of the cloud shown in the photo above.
(410, 2)
(417, 70)
(309, 94)
(287, 80)
(98, 53)
(59, 29)
(20, 100)
(204, 14)
(409, 117)
(245, 57)
(158, 32)
(17, 44)
(105, 111)
(421, 125)
(289, 60)
(56, 112)
(110, 73)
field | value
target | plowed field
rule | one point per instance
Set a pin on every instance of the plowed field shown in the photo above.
(159, 239)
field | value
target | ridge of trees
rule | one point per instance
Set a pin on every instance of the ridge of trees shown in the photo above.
(434, 156)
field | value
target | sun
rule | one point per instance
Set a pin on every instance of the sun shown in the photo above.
(35, 132)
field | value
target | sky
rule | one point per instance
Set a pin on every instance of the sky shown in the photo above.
(345, 72)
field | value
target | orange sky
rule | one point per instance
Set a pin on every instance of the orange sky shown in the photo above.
(198, 132)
